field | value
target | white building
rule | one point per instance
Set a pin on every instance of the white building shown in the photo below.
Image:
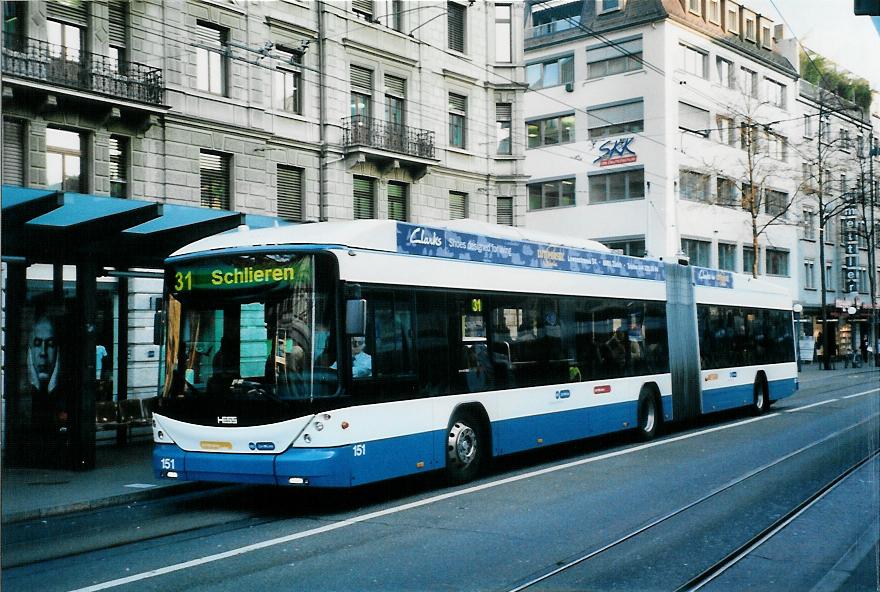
(653, 158)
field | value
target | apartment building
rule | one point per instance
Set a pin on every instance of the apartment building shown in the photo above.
(670, 128)
(296, 109)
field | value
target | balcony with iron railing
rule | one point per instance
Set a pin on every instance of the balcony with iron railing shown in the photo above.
(389, 144)
(564, 24)
(40, 61)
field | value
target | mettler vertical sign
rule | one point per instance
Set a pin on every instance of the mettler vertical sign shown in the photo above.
(849, 219)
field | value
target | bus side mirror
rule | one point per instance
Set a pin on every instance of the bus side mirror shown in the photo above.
(158, 327)
(356, 317)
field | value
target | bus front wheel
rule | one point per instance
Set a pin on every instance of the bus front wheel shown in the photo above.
(464, 449)
(649, 417)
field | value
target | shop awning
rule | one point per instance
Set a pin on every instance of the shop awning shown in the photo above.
(47, 226)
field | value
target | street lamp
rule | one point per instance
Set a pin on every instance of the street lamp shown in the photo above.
(797, 309)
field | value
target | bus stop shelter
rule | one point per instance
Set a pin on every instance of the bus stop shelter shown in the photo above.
(49, 361)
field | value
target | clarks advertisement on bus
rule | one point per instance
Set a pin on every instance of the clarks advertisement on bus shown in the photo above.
(449, 244)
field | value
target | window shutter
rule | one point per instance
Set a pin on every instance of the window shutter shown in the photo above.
(455, 20)
(457, 205)
(693, 118)
(457, 103)
(118, 22)
(363, 198)
(290, 193)
(395, 86)
(615, 115)
(362, 79)
(214, 169)
(505, 211)
(207, 34)
(13, 152)
(75, 12)
(503, 111)
(397, 201)
(608, 52)
(364, 7)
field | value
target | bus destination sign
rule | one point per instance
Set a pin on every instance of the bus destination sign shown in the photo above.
(450, 244)
(216, 276)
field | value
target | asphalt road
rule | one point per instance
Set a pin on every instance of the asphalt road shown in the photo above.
(605, 514)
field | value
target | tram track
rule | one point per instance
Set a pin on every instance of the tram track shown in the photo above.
(732, 557)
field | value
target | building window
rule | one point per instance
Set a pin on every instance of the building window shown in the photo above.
(395, 104)
(726, 130)
(287, 82)
(697, 251)
(364, 198)
(361, 92)
(503, 38)
(13, 149)
(808, 126)
(694, 6)
(843, 137)
(749, 82)
(13, 25)
(749, 260)
(614, 58)
(504, 210)
(554, 130)
(503, 120)
(694, 186)
(777, 146)
(766, 37)
(64, 160)
(809, 275)
(458, 205)
(618, 186)
(777, 262)
(551, 194)
(211, 51)
(397, 201)
(457, 120)
(455, 17)
(397, 15)
(726, 257)
(363, 8)
(727, 192)
(775, 93)
(693, 119)
(290, 193)
(616, 119)
(713, 8)
(609, 5)
(732, 20)
(214, 172)
(550, 73)
(694, 61)
(829, 276)
(65, 41)
(775, 202)
(631, 248)
(809, 225)
(118, 28)
(726, 76)
(118, 149)
(751, 27)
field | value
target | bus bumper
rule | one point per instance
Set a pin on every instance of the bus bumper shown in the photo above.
(300, 467)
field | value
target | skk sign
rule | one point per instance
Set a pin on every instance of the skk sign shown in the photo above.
(616, 152)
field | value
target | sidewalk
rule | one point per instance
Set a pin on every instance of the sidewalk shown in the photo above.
(123, 474)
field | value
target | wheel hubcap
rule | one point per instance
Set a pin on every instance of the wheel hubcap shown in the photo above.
(462, 444)
(649, 417)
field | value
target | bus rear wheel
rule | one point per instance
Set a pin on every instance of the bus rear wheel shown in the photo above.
(464, 449)
(761, 400)
(649, 417)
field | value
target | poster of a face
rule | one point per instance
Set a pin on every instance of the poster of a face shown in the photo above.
(44, 364)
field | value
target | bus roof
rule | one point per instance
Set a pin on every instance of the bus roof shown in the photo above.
(377, 235)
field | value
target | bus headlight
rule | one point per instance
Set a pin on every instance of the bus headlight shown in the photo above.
(319, 426)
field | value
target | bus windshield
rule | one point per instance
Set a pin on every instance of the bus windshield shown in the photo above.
(250, 328)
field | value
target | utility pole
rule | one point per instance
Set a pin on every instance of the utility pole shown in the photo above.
(873, 150)
(823, 288)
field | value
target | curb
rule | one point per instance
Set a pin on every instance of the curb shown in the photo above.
(106, 502)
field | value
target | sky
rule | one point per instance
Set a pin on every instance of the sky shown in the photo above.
(830, 28)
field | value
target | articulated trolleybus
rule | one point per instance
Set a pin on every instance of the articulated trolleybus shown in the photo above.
(338, 354)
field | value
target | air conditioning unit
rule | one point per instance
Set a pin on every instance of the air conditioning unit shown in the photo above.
(569, 87)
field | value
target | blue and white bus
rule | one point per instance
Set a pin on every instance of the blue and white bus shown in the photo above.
(338, 354)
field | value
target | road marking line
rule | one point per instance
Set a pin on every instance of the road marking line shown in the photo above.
(420, 503)
(862, 394)
(811, 406)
